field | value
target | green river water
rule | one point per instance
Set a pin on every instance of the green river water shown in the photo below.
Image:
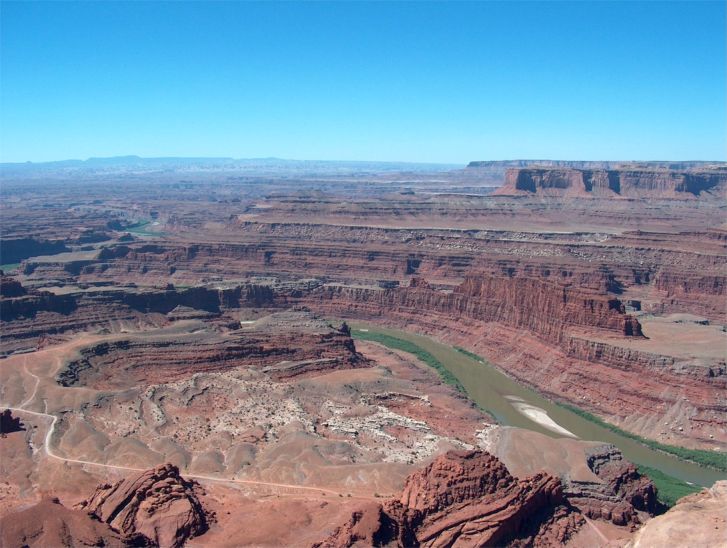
(495, 392)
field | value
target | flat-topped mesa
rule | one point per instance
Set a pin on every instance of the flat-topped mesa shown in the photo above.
(506, 164)
(284, 345)
(594, 164)
(612, 183)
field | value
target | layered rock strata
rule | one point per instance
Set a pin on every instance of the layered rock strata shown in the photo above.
(465, 498)
(468, 498)
(622, 496)
(283, 345)
(570, 182)
(28, 317)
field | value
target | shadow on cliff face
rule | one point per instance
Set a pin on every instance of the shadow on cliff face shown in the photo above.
(9, 424)
(28, 306)
(19, 249)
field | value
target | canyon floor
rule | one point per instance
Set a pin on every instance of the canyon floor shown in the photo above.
(214, 322)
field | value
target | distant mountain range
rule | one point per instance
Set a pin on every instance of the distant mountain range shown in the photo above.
(138, 162)
(137, 166)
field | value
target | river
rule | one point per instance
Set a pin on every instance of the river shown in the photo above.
(509, 402)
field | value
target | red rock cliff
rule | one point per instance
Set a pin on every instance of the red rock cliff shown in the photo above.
(569, 182)
(464, 498)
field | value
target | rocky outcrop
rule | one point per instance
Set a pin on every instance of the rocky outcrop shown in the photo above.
(607, 183)
(622, 496)
(158, 504)
(696, 520)
(464, 498)
(468, 498)
(49, 523)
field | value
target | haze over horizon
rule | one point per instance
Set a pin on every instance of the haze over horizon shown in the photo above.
(423, 83)
(130, 157)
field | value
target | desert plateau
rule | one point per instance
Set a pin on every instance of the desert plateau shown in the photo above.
(397, 356)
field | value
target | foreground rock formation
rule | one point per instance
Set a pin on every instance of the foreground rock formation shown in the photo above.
(468, 498)
(623, 496)
(153, 508)
(696, 520)
(157, 504)
(49, 523)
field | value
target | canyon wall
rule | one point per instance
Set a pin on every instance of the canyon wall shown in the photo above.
(570, 182)
(542, 307)
(555, 310)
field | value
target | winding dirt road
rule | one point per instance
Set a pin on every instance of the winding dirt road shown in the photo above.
(51, 454)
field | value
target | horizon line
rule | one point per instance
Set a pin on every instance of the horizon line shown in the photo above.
(369, 161)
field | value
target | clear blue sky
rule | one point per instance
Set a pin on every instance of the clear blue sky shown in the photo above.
(439, 82)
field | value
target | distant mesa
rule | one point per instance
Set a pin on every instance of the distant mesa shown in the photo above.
(595, 164)
(133, 163)
(613, 183)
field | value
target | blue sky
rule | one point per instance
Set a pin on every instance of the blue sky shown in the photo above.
(434, 82)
